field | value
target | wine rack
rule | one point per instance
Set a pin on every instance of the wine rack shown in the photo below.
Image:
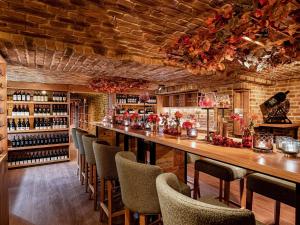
(3, 99)
(37, 127)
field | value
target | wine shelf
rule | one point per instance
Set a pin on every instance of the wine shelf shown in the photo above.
(38, 103)
(31, 107)
(38, 163)
(36, 131)
(38, 147)
(136, 104)
(25, 117)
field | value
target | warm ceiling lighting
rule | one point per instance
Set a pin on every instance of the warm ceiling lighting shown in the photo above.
(255, 42)
(160, 87)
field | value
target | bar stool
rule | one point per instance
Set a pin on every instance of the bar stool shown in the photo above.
(271, 187)
(225, 172)
(107, 172)
(138, 188)
(74, 137)
(82, 175)
(179, 209)
(90, 166)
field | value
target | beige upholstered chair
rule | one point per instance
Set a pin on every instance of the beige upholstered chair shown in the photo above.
(225, 172)
(179, 209)
(90, 169)
(271, 187)
(107, 172)
(74, 137)
(138, 186)
(79, 134)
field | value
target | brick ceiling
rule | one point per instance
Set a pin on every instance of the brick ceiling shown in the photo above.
(73, 41)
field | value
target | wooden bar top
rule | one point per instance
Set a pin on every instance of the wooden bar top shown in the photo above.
(274, 164)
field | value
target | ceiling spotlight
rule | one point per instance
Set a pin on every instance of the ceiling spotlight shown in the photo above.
(160, 87)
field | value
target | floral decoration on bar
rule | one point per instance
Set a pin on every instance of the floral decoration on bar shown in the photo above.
(116, 84)
(258, 34)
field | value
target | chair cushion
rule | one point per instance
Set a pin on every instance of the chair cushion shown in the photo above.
(220, 170)
(272, 187)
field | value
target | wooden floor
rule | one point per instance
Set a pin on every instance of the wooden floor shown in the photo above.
(52, 195)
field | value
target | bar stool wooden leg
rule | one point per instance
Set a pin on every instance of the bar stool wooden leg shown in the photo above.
(226, 192)
(91, 180)
(102, 197)
(242, 182)
(95, 184)
(221, 190)
(249, 199)
(127, 216)
(277, 213)
(82, 168)
(109, 196)
(196, 185)
(142, 219)
(86, 181)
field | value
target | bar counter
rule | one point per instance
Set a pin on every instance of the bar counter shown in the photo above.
(274, 164)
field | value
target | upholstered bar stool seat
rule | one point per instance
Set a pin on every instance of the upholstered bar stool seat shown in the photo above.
(223, 171)
(107, 172)
(79, 134)
(74, 137)
(177, 208)
(277, 189)
(138, 187)
(90, 168)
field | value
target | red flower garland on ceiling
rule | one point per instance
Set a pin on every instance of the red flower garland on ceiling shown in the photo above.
(116, 84)
(258, 34)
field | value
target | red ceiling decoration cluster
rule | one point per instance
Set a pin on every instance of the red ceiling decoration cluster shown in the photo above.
(257, 34)
(116, 84)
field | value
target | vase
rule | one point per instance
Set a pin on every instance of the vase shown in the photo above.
(154, 127)
(178, 128)
(247, 138)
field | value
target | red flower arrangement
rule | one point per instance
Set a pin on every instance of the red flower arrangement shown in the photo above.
(126, 115)
(134, 117)
(233, 33)
(153, 118)
(224, 141)
(116, 84)
(187, 125)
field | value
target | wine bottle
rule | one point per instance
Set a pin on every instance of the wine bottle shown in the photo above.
(28, 97)
(276, 99)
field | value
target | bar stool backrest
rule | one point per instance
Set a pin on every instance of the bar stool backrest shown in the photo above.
(79, 134)
(105, 160)
(74, 136)
(137, 183)
(177, 208)
(87, 141)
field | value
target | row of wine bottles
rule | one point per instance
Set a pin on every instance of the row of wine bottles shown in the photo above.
(40, 110)
(148, 110)
(39, 124)
(133, 99)
(20, 110)
(37, 156)
(39, 96)
(32, 140)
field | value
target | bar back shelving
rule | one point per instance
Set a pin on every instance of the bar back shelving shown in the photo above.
(37, 126)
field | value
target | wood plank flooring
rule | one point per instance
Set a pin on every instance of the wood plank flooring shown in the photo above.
(52, 195)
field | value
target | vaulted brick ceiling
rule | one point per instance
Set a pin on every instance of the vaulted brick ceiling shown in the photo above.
(72, 41)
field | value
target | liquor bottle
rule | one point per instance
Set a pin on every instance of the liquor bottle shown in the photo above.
(15, 97)
(28, 96)
(14, 142)
(19, 96)
(27, 124)
(13, 125)
(14, 111)
(18, 142)
(19, 125)
(23, 125)
(64, 97)
(26, 141)
(276, 99)
(23, 96)
(27, 110)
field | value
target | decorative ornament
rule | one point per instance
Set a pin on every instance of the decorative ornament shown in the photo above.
(116, 84)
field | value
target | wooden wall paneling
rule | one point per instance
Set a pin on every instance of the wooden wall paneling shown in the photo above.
(159, 104)
(241, 105)
(4, 208)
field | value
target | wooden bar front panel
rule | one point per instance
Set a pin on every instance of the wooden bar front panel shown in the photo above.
(4, 212)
